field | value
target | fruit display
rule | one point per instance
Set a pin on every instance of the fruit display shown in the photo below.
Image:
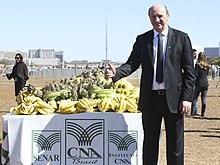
(87, 92)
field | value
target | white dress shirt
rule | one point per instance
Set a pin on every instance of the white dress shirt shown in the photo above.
(164, 36)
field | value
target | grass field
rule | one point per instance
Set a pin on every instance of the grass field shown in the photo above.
(202, 136)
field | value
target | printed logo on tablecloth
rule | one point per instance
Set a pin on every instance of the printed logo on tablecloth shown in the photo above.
(46, 147)
(122, 147)
(84, 141)
(4, 149)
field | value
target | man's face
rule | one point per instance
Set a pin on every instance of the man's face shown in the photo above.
(195, 55)
(158, 17)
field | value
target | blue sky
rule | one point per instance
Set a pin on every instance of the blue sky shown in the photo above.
(78, 27)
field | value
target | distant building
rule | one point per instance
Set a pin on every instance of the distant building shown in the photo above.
(10, 55)
(209, 51)
(41, 53)
(59, 55)
(45, 57)
(41, 57)
(212, 52)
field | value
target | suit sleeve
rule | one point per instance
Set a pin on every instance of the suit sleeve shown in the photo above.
(131, 65)
(188, 70)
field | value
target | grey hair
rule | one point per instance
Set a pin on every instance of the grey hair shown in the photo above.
(149, 10)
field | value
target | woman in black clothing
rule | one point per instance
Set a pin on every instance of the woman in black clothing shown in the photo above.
(19, 73)
(201, 85)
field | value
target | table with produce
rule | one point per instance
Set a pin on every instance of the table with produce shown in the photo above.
(84, 119)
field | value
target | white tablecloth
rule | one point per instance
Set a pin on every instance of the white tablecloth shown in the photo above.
(85, 138)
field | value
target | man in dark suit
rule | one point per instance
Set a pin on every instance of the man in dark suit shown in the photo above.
(165, 92)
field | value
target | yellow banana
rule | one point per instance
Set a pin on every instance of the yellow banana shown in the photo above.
(19, 98)
(34, 112)
(122, 106)
(44, 108)
(106, 105)
(31, 108)
(24, 109)
(43, 111)
(90, 109)
(86, 102)
(94, 102)
(67, 104)
(33, 98)
(83, 105)
(53, 104)
(89, 105)
(113, 104)
(43, 104)
(102, 103)
(15, 110)
(69, 110)
(131, 106)
(117, 99)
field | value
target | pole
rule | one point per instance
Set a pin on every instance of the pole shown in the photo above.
(106, 46)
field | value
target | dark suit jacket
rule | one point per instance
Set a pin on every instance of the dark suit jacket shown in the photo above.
(178, 72)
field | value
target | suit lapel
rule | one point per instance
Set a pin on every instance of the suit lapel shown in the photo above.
(150, 46)
(170, 43)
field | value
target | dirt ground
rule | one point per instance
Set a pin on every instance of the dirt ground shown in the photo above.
(202, 136)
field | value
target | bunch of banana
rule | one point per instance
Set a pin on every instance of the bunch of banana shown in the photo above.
(31, 99)
(20, 98)
(131, 105)
(106, 104)
(123, 86)
(26, 97)
(121, 106)
(124, 91)
(53, 104)
(113, 104)
(26, 104)
(84, 105)
(134, 94)
(94, 103)
(23, 109)
(44, 108)
(67, 106)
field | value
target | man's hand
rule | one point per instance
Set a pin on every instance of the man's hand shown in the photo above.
(185, 107)
(110, 71)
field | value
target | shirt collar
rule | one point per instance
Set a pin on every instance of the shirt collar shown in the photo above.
(164, 32)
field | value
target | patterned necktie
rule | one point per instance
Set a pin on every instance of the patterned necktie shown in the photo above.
(159, 72)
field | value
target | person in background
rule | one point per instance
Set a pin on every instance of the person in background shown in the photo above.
(101, 66)
(201, 84)
(195, 109)
(19, 73)
(166, 85)
(213, 71)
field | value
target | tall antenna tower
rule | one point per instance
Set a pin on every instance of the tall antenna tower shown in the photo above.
(106, 45)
